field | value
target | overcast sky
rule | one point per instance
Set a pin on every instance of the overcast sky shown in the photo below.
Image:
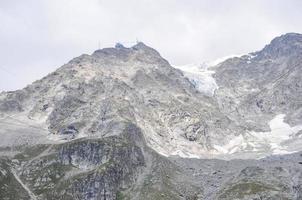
(38, 36)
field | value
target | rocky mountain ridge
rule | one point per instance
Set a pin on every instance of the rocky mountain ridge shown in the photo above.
(115, 124)
(94, 95)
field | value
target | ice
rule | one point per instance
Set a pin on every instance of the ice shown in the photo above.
(200, 77)
(233, 146)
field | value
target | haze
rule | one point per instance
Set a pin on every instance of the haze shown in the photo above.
(38, 36)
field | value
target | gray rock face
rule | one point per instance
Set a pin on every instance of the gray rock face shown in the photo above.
(255, 88)
(114, 124)
(97, 94)
(265, 82)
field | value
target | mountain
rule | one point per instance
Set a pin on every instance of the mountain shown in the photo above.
(99, 95)
(267, 81)
(122, 123)
(263, 90)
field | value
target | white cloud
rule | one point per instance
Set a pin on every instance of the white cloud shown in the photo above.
(37, 36)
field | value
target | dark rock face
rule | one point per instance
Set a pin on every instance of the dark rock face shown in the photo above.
(118, 172)
(84, 169)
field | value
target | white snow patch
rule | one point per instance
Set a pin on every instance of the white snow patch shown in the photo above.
(183, 154)
(233, 146)
(251, 56)
(200, 77)
(280, 132)
(259, 141)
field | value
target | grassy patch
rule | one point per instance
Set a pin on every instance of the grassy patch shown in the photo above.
(120, 196)
(243, 189)
(31, 152)
(10, 188)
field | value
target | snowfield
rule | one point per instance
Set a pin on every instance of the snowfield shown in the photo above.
(200, 77)
(276, 141)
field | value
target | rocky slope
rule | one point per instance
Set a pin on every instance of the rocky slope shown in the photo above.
(98, 94)
(264, 82)
(114, 124)
(263, 86)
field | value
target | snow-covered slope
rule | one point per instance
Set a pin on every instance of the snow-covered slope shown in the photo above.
(253, 90)
(200, 77)
(279, 140)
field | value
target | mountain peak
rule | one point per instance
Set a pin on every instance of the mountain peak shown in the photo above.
(289, 37)
(140, 52)
(140, 45)
(284, 45)
(120, 47)
(145, 48)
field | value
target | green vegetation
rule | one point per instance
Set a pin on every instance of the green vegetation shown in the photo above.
(10, 188)
(241, 190)
(120, 196)
(31, 152)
